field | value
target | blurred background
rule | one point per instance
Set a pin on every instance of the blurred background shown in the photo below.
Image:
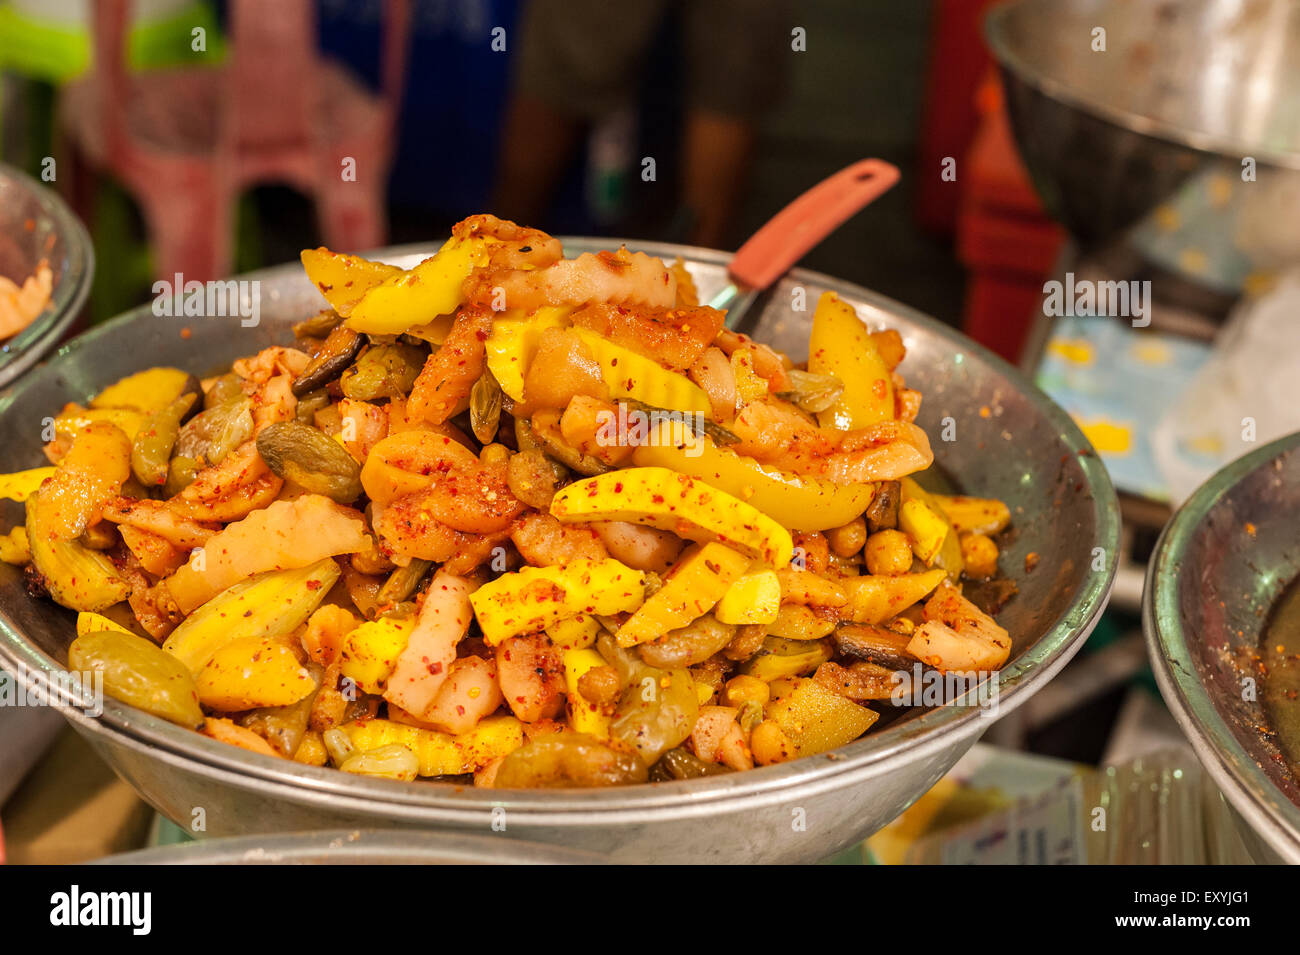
(513, 130)
(211, 137)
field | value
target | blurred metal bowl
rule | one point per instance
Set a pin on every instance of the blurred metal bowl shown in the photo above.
(35, 224)
(358, 847)
(1184, 89)
(1010, 441)
(1209, 589)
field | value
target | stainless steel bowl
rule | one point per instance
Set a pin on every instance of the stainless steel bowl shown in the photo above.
(1010, 441)
(35, 224)
(358, 847)
(1184, 89)
(1208, 592)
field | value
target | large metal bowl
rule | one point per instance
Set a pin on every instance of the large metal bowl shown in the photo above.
(1184, 89)
(35, 224)
(358, 847)
(1219, 566)
(1009, 441)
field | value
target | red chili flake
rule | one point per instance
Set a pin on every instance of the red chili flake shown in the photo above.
(313, 585)
(435, 668)
(658, 498)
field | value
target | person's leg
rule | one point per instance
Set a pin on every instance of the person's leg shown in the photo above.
(578, 60)
(736, 59)
(716, 161)
(537, 142)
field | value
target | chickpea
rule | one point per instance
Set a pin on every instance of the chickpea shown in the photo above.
(889, 553)
(848, 539)
(980, 554)
(745, 689)
(770, 745)
(494, 454)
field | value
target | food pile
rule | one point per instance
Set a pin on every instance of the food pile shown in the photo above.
(544, 521)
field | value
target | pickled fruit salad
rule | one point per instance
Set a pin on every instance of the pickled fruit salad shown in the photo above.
(544, 521)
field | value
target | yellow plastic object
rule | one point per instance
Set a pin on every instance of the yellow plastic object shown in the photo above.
(817, 719)
(344, 279)
(252, 672)
(369, 653)
(877, 599)
(442, 754)
(19, 485)
(676, 502)
(629, 374)
(537, 598)
(513, 343)
(418, 296)
(754, 598)
(840, 345)
(584, 716)
(795, 501)
(697, 582)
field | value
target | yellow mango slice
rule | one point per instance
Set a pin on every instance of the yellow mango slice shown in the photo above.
(513, 342)
(629, 374)
(949, 555)
(20, 485)
(975, 515)
(89, 622)
(147, 391)
(926, 528)
(418, 296)
(584, 716)
(575, 633)
(875, 599)
(442, 754)
(817, 719)
(252, 672)
(662, 498)
(767, 666)
(754, 598)
(795, 501)
(841, 345)
(369, 653)
(537, 598)
(344, 279)
(695, 584)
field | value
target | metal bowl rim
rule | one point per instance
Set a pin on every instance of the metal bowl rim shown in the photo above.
(357, 846)
(1233, 769)
(929, 732)
(30, 345)
(1011, 61)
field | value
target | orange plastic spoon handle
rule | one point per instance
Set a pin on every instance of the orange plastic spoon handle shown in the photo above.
(791, 233)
